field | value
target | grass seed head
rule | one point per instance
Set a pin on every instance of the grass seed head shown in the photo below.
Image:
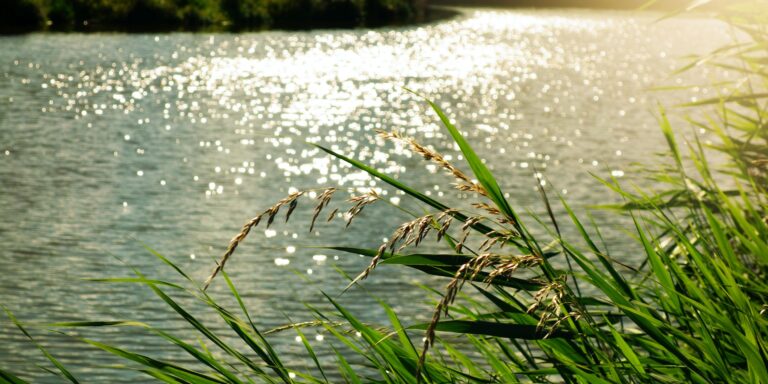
(290, 200)
(465, 183)
(324, 199)
(361, 201)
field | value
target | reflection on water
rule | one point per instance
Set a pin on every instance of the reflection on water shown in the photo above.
(108, 141)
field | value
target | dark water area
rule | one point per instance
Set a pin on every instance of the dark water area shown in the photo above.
(298, 24)
(20, 16)
(112, 141)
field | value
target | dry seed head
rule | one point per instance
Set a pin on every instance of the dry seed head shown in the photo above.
(303, 324)
(509, 265)
(486, 207)
(436, 157)
(466, 231)
(411, 232)
(232, 246)
(467, 270)
(389, 135)
(445, 219)
(493, 211)
(418, 230)
(272, 213)
(447, 214)
(333, 214)
(507, 236)
(471, 221)
(479, 263)
(460, 244)
(553, 328)
(550, 300)
(555, 288)
(324, 199)
(291, 200)
(402, 234)
(291, 206)
(491, 239)
(470, 186)
(361, 201)
(488, 244)
(374, 262)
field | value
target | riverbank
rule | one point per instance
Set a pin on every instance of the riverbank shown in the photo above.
(19, 16)
(666, 5)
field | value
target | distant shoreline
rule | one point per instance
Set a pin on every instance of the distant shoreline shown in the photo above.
(436, 11)
(581, 4)
(434, 14)
(23, 16)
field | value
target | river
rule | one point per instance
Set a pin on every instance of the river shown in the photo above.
(112, 141)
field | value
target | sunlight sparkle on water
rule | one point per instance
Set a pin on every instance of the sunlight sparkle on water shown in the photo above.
(279, 261)
(202, 132)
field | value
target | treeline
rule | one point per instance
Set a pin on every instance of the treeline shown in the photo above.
(30, 15)
(664, 5)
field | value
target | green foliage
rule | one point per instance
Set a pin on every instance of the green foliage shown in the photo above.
(247, 12)
(23, 15)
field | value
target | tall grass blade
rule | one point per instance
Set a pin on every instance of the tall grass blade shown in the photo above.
(64, 372)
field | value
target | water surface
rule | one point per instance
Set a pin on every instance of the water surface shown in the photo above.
(111, 141)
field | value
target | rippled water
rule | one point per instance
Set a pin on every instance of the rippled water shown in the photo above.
(108, 141)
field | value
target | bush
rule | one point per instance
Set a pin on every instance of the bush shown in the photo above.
(389, 11)
(26, 15)
(247, 13)
(21, 15)
(304, 14)
(61, 13)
